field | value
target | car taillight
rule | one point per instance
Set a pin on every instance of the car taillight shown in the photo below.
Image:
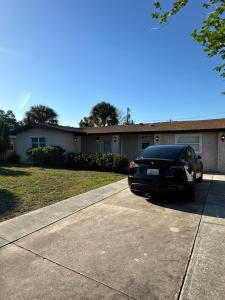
(132, 165)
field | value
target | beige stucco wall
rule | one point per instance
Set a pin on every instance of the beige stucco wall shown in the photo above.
(209, 151)
(221, 152)
(90, 144)
(165, 138)
(209, 147)
(53, 137)
(213, 148)
(129, 145)
(116, 144)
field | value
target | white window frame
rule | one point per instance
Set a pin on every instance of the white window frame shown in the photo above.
(38, 137)
(140, 140)
(177, 136)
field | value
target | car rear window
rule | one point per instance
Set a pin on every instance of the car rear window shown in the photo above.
(160, 152)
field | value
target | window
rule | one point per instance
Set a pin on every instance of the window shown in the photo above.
(42, 142)
(194, 140)
(107, 145)
(145, 141)
(34, 142)
(38, 142)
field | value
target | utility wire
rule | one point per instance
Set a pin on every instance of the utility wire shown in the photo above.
(187, 118)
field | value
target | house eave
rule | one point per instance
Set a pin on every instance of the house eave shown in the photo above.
(155, 132)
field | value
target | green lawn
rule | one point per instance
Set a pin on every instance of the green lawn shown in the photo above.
(23, 189)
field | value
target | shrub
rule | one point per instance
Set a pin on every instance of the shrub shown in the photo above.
(47, 156)
(13, 158)
(55, 156)
(97, 161)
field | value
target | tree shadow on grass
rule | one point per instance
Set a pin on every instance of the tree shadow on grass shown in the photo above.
(12, 172)
(8, 203)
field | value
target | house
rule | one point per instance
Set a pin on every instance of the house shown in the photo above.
(207, 137)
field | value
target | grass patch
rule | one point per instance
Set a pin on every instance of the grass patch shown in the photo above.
(23, 189)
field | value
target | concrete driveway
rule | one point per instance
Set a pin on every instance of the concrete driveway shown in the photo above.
(111, 244)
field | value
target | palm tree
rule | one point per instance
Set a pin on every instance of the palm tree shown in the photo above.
(104, 113)
(86, 122)
(41, 114)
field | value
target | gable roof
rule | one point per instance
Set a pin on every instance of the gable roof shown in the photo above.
(159, 127)
(48, 126)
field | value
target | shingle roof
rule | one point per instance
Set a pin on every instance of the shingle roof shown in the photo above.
(173, 126)
(48, 126)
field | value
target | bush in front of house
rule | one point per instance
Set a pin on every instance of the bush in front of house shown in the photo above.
(96, 161)
(13, 158)
(55, 156)
(46, 156)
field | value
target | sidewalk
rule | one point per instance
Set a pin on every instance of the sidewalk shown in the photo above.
(206, 273)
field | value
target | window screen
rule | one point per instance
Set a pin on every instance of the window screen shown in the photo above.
(193, 140)
(34, 142)
(38, 142)
(145, 142)
(42, 141)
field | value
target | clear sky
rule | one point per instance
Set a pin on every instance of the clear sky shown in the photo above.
(71, 54)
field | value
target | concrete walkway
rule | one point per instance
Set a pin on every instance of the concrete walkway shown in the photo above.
(111, 244)
(205, 278)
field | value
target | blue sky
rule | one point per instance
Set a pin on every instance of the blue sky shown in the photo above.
(71, 54)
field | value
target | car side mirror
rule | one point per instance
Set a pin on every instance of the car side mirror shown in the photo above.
(199, 157)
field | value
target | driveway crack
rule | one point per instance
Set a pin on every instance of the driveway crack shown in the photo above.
(66, 216)
(76, 272)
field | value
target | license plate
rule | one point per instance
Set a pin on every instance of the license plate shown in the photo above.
(153, 172)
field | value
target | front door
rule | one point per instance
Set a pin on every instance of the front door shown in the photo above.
(107, 145)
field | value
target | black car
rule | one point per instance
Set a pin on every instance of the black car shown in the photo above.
(165, 168)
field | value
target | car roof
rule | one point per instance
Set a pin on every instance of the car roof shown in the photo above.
(170, 146)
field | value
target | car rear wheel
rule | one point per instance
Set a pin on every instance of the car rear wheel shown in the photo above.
(200, 179)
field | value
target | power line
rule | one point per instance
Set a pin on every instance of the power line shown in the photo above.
(186, 118)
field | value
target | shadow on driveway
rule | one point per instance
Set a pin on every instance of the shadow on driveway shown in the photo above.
(209, 192)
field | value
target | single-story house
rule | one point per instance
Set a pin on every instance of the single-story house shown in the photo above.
(207, 137)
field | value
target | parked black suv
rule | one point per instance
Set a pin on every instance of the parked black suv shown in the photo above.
(165, 168)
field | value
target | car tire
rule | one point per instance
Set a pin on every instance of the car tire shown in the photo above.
(200, 179)
(195, 180)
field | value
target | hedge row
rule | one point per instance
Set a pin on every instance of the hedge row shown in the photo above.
(57, 157)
